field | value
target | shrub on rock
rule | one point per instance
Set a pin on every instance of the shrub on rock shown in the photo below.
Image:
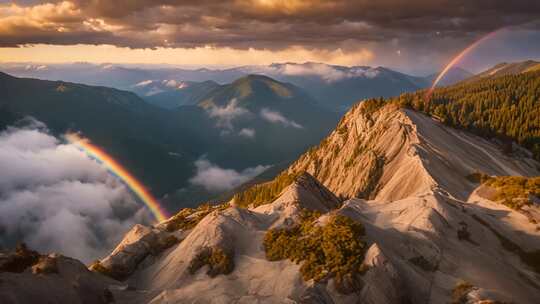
(335, 249)
(219, 261)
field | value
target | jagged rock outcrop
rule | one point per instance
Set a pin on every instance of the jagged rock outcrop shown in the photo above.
(382, 283)
(391, 153)
(139, 242)
(304, 193)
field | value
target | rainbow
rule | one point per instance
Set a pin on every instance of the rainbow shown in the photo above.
(457, 59)
(120, 172)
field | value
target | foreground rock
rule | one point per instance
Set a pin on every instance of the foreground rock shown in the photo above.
(139, 243)
(55, 279)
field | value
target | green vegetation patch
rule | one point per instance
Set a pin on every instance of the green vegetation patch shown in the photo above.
(515, 191)
(506, 107)
(370, 106)
(220, 261)
(264, 193)
(188, 218)
(335, 249)
(279, 89)
(512, 191)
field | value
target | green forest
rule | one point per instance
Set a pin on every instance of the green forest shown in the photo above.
(506, 107)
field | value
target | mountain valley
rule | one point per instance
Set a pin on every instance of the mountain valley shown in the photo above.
(393, 206)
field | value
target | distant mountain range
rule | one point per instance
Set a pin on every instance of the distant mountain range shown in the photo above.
(253, 121)
(338, 87)
(503, 69)
(454, 75)
(181, 94)
(333, 87)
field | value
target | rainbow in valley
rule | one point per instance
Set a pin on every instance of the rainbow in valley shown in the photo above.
(120, 172)
(457, 59)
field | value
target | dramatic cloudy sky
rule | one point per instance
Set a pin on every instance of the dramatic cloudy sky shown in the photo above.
(395, 33)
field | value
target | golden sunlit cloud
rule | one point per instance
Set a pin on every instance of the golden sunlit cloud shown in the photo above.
(288, 6)
(181, 56)
(400, 34)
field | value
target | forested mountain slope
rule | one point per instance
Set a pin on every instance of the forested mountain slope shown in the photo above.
(506, 107)
(138, 134)
(160, 147)
(507, 68)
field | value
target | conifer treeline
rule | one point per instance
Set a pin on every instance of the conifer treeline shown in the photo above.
(507, 107)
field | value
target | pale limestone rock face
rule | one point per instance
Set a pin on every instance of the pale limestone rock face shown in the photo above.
(254, 278)
(305, 193)
(138, 244)
(427, 225)
(393, 153)
(419, 235)
(353, 158)
(382, 284)
(133, 248)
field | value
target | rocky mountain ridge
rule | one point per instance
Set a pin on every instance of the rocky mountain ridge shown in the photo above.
(398, 184)
(507, 68)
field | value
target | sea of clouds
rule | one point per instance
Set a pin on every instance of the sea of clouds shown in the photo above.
(215, 178)
(56, 199)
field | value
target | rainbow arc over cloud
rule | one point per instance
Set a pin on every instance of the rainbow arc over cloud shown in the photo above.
(456, 59)
(120, 172)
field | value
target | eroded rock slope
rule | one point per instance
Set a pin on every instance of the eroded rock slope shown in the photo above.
(392, 207)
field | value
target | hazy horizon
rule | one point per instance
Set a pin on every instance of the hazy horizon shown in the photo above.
(416, 38)
(217, 67)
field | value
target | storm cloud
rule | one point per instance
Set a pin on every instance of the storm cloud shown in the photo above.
(56, 199)
(417, 36)
(254, 23)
